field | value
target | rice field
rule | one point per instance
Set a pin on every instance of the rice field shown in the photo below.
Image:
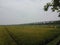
(30, 35)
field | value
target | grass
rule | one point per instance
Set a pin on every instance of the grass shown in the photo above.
(55, 41)
(29, 35)
(5, 39)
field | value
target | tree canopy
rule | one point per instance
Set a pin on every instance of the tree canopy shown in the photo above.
(54, 4)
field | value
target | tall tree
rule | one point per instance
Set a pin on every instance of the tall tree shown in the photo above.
(55, 6)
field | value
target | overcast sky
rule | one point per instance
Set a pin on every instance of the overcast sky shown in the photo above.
(25, 11)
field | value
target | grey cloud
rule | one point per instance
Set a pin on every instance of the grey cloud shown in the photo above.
(24, 11)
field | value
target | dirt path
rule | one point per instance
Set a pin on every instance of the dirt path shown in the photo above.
(5, 38)
(12, 36)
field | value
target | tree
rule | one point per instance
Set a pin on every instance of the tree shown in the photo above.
(55, 6)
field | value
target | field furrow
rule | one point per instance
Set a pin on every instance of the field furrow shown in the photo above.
(5, 39)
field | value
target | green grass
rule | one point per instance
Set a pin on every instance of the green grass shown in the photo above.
(55, 41)
(29, 35)
(5, 39)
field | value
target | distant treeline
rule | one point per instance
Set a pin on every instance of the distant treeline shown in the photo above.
(45, 23)
(38, 23)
